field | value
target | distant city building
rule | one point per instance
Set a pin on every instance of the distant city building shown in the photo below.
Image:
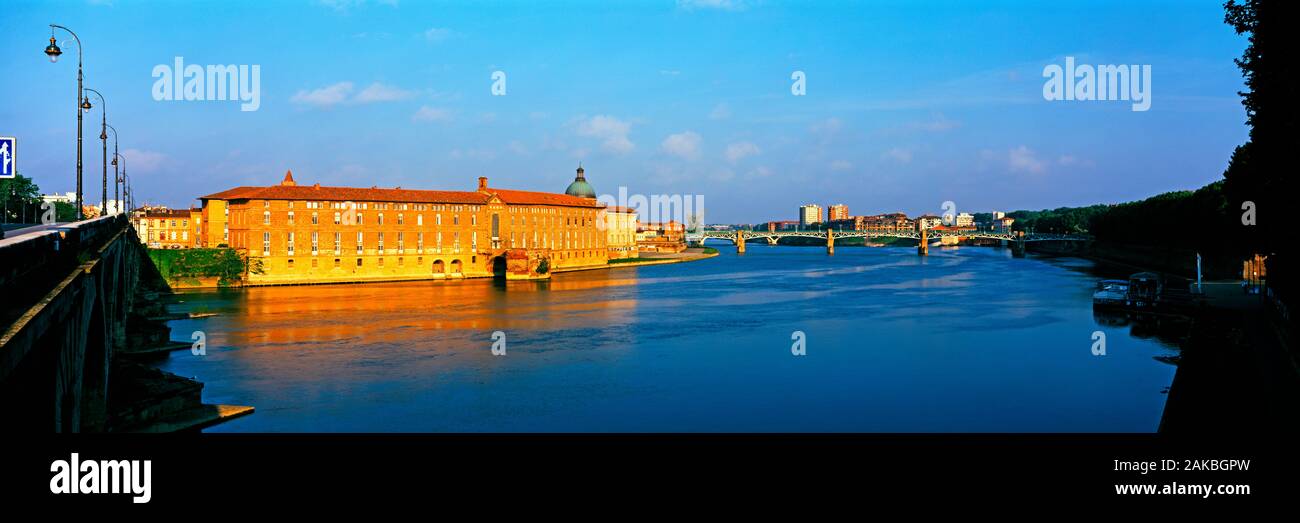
(661, 237)
(67, 197)
(998, 215)
(810, 214)
(782, 225)
(965, 220)
(1003, 223)
(838, 211)
(928, 221)
(162, 228)
(620, 232)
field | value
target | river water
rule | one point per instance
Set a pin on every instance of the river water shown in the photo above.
(966, 339)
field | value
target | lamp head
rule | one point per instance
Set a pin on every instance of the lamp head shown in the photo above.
(53, 50)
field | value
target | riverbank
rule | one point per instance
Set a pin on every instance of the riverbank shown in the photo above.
(191, 281)
(1237, 374)
(654, 258)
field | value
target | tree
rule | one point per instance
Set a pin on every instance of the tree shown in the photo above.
(19, 199)
(1258, 174)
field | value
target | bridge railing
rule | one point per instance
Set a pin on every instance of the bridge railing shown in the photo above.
(31, 266)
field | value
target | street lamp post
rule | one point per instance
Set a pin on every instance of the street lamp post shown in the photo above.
(103, 139)
(126, 188)
(117, 177)
(53, 52)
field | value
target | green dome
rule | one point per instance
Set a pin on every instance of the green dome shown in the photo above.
(580, 187)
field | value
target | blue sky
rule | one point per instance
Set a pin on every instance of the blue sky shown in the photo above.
(908, 103)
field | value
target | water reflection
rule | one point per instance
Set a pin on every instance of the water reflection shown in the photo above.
(962, 340)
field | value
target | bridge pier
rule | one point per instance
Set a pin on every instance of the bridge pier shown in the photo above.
(771, 240)
(740, 242)
(923, 248)
(830, 242)
(1018, 245)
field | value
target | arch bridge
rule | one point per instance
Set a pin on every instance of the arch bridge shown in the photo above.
(1017, 239)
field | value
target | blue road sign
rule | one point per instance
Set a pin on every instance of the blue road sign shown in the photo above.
(8, 145)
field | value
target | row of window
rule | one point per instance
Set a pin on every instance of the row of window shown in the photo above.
(570, 242)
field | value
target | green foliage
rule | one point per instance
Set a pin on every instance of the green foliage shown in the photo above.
(543, 266)
(65, 212)
(20, 199)
(710, 250)
(227, 265)
(1180, 219)
(1063, 220)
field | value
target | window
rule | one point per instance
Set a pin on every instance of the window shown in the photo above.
(313, 262)
(337, 218)
(419, 242)
(438, 245)
(359, 242)
(473, 219)
(338, 242)
(455, 219)
(473, 241)
(266, 244)
(381, 218)
(314, 245)
(437, 219)
(315, 220)
(360, 219)
(419, 220)
(401, 219)
(401, 247)
(290, 247)
(381, 245)
(358, 262)
(336, 263)
(381, 262)
(266, 217)
(290, 263)
(291, 216)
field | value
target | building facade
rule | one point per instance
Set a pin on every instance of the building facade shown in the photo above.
(836, 212)
(162, 228)
(620, 232)
(310, 234)
(810, 214)
(661, 237)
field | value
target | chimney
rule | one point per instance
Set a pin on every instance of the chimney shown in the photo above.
(288, 179)
(482, 183)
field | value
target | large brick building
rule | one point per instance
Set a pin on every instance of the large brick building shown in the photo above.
(309, 233)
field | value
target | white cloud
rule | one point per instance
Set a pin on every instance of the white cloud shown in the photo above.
(1022, 159)
(841, 165)
(828, 126)
(431, 114)
(611, 131)
(327, 96)
(682, 145)
(437, 34)
(938, 124)
(720, 112)
(143, 161)
(898, 154)
(739, 150)
(378, 92)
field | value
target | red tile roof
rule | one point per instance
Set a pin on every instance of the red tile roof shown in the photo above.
(355, 194)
